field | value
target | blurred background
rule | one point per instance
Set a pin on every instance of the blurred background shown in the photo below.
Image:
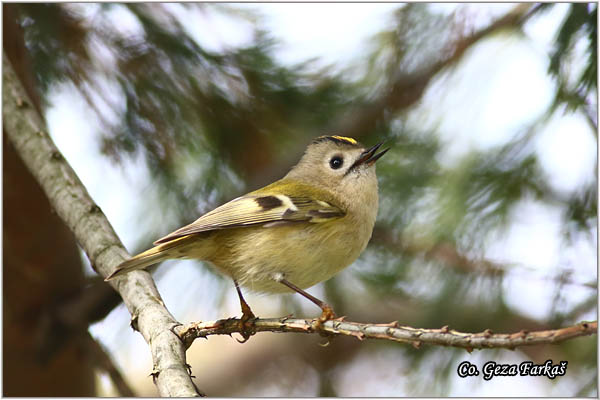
(488, 196)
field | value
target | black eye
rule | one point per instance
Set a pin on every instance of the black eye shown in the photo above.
(336, 162)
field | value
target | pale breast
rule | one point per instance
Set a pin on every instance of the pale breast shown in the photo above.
(305, 254)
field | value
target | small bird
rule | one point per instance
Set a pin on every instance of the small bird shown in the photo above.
(289, 235)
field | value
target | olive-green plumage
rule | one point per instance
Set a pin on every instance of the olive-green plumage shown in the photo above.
(304, 228)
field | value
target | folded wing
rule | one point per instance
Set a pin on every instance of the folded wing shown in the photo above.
(267, 210)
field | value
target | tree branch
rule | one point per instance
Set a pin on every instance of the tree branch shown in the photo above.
(72, 203)
(447, 253)
(405, 89)
(391, 331)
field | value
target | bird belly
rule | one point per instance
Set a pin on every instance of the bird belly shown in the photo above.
(304, 255)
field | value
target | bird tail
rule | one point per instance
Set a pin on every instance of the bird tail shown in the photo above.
(151, 256)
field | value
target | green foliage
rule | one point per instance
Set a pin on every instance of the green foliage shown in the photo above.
(580, 23)
(55, 39)
(210, 124)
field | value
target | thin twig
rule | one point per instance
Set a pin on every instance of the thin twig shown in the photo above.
(392, 331)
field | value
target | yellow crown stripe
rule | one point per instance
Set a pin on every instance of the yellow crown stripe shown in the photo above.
(345, 139)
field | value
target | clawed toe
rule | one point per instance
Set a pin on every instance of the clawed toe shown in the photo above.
(326, 315)
(247, 324)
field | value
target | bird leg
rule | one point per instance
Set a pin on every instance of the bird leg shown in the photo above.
(247, 315)
(327, 313)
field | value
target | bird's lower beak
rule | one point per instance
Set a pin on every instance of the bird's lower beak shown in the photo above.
(369, 156)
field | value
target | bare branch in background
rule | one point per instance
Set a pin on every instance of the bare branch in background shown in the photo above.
(449, 255)
(104, 361)
(407, 89)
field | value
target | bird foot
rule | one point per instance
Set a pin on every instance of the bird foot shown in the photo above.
(327, 315)
(246, 324)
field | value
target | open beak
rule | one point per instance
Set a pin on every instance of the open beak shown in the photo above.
(369, 157)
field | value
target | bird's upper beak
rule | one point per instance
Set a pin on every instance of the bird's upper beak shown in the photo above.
(369, 157)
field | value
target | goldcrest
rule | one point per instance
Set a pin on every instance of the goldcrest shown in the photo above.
(291, 234)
